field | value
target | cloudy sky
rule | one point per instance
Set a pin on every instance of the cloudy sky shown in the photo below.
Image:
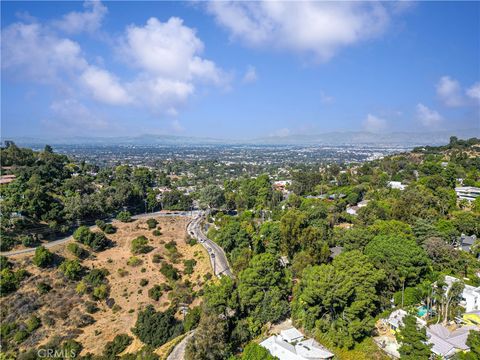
(238, 70)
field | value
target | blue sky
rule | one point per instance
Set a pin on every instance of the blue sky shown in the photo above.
(238, 70)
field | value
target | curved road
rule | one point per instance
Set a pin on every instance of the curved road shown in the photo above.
(220, 266)
(68, 238)
(218, 259)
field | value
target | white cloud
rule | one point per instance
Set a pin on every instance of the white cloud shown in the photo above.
(169, 50)
(104, 86)
(89, 20)
(163, 95)
(168, 55)
(474, 91)
(318, 28)
(326, 99)
(250, 75)
(32, 52)
(450, 91)
(427, 116)
(374, 124)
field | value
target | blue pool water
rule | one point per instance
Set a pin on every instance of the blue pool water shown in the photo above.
(422, 310)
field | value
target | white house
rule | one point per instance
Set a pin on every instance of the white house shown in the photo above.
(446, 343)
(470, 295)
(352, 210)
(396, 185)
(291, 345)
(468, 193)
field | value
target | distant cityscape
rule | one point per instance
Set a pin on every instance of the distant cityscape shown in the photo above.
(261, 155)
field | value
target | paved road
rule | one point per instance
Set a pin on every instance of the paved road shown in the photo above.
(178, 352)
(218, 258)
(68, 238)
(219, 264)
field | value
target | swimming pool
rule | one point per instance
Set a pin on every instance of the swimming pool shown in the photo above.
(422, 310)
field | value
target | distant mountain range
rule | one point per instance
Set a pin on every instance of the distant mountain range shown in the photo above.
(406, 139)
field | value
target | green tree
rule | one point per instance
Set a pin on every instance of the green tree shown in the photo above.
(292, 224)
(210, 340)
(152, 223)
(156, 328)
(412, 340)
(212, 196)
(473, 342)
(71, 269)
(403, 261)
(42, 257)
(340, 299)
(140, 245)
(124, 216)
(253, 351)
(117, 346)
(263, 288)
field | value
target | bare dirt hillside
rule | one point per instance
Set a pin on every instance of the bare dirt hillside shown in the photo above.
(63, 311)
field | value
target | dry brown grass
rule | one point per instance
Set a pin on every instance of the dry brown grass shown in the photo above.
(64, 304)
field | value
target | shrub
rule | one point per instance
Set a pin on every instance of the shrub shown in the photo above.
(156, 232)
(28, 241)
(77, 250)
(143, 282)
(7, 328)
(155, 292)
(10, 280)
(152, 223)
(82, 234)
(95, 240)
(106, 228)
(6, 243)
(157, 258)
(124, 216)
(42, 257)
(117, 346)
(100, 292)
(140, 245)
(171, 246)
(33, 323)
(71, 269)
(134, 261)
(191, 241)
(43, 288)
(98, 241)
(91, 307)
(156, 328)
(81, 287)
(4, 263)
(189, 265)
(96, 276)
(169, 272)
(72, 347)
(110, 229)
(122, 272)
(20, 336)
